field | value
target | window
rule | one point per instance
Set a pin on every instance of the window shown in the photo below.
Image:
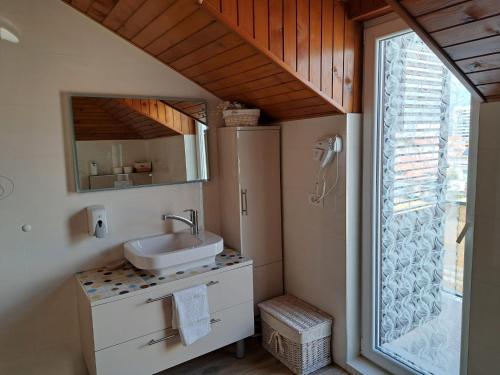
(417, 126)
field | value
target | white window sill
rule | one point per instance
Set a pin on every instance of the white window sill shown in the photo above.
(362, 366)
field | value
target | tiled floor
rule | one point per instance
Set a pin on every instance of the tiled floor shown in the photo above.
(256, 362)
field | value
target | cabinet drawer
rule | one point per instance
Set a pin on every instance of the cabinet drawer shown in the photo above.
(140, 357)
(128, 318)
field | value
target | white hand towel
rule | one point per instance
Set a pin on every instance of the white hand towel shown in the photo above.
(190, 313)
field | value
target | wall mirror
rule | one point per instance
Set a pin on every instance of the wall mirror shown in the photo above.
(125, 142)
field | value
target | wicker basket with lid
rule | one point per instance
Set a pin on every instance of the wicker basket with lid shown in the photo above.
(296, 333)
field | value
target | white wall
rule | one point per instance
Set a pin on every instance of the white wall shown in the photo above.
(168, 157)
(484, 326)
(191, 154)
(318, 242)
(63, 51)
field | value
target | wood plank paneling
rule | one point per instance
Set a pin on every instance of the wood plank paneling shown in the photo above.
(349, 52)
(303, 38)
(272, 91)
(245, 16)
(230, 10)
(230, 56)
(261, 14)
(308, 36)
(327, 47)
(474, 48)
(224, 44)
(114, 118)
(357, 89)
(285, 97)
(161, 24)
(487, 76)
(468, 31)
(458, 14)
(298, 113)
(466, 35)
(193, 23)
(269, 53)
(216, 4)
(276, 27)
(145, 14)
(490, 90)
(338, 52)
(290, 33)
(419, 7)
(99, 9)
(363, 10)
(82, 5)
(255, 84)
(121, 12)
(299, 103)
(248, 76)
(479, 63)
(238, 67)
(156, 111)
(315, 42)
(207, 35)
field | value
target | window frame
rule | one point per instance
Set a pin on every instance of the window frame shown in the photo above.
(371, 201)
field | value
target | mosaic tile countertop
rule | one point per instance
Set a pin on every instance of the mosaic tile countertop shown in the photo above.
(103, 283)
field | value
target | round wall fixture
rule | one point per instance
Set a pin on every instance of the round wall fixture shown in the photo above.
(9, 36)
(6, 187)
(8, 31)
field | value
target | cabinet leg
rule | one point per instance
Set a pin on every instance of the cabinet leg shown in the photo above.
(240, 349)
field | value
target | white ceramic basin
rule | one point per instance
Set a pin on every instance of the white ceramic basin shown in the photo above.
(169, 253)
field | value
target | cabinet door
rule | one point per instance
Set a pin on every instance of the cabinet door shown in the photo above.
(260, 194)
(229, 188)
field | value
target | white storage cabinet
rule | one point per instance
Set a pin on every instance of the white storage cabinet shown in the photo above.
(131, 334)
(249, 162)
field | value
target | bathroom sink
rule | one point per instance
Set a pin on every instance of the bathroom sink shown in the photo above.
(169, 253)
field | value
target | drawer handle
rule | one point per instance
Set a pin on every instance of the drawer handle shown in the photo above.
(149, 300)
(152, 341)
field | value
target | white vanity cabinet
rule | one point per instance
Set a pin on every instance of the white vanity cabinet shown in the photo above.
(125, 315)
(249, 165)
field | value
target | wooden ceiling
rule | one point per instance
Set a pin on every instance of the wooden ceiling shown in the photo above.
(466, 34)
(194, 109)
(363, 10)
(119, 118)
(293, 59)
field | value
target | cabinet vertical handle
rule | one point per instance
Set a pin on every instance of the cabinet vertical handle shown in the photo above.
(244, 204)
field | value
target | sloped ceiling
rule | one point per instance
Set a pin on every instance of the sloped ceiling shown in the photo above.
(292, 59)
(194, 109)
(466, 34)
(116, 118)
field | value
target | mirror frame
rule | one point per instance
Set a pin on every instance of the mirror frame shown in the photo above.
(69, 97)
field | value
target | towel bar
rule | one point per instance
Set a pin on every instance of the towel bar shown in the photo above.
(152, 341)
(149, 300)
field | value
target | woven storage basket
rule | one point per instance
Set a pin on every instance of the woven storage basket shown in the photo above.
(296, 333)
(241, 117)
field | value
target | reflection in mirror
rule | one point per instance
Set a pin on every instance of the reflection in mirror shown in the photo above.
(130, 142)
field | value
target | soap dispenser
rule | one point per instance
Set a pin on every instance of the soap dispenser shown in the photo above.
(97, 221)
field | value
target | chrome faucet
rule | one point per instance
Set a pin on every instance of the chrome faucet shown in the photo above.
(192, 221)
